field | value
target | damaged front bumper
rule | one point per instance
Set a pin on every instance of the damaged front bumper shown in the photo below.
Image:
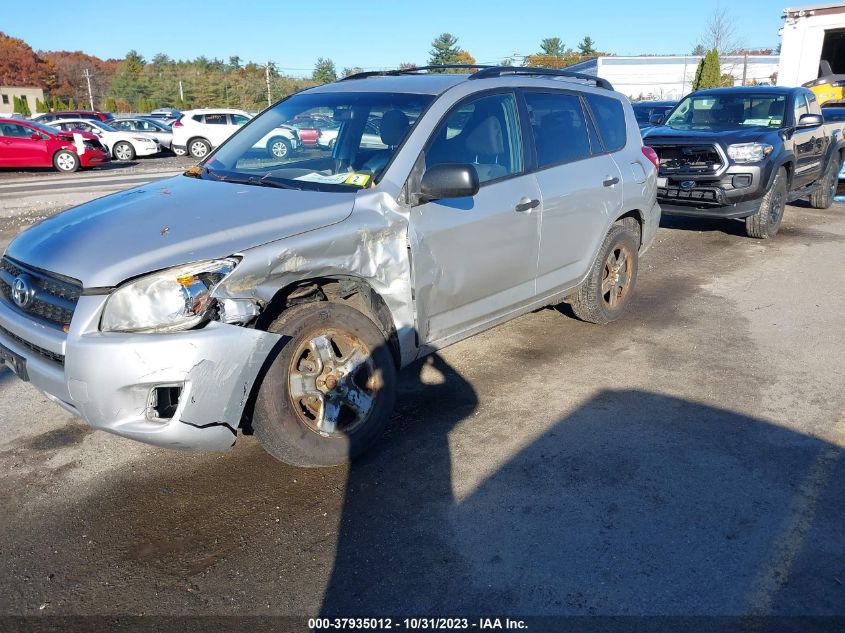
(117, 382)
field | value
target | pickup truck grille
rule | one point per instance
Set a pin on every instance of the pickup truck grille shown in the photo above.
(688, 159)
(54, 299)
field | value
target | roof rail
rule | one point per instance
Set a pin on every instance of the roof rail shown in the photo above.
(411, 71)
(498, 71)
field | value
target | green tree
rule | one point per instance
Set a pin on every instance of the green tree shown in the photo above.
(708, 74)
(553, 46)
(444, 50)
(110, 104)
(699, 50)
(351, 71)
(20, 105)
(40, 106)
(324, 71)
(71, 104)
(587, 46)
(234, 62)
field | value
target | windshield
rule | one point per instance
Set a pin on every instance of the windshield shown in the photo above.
(715, 112)
(359, 133)
(103, 126)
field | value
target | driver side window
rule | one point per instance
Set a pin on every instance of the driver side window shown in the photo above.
(800, 107)
(483, 132)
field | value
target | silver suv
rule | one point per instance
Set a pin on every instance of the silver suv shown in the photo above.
(282, 294)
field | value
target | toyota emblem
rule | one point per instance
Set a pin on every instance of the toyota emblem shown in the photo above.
(22, 291)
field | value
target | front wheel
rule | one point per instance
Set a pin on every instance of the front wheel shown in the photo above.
(66, 161)
(605, 293)
(278, 147)
(766, 221)
(124, 151)
(823, 197)
(329, 392)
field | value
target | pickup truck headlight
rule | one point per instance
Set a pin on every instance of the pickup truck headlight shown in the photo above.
(749, 152)
(173, 299)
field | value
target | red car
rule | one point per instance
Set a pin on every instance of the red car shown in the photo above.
(33, 144)
(310, 127)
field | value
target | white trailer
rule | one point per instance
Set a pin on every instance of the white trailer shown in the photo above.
(812, 44)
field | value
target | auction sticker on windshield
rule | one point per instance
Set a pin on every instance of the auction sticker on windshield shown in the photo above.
(357, 180)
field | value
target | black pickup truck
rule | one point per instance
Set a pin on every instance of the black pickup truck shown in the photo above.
(745, 152)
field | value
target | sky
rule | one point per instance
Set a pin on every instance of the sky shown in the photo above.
(377, 33)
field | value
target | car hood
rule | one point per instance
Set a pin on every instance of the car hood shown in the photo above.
(168, 223)
(665, 134)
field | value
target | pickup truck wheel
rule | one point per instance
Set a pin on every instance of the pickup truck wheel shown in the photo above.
(823, 197)
(605, 293)
(766, 222)
(329, 392)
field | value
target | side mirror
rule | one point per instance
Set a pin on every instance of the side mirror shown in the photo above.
(35, 136)
(810, 120)
(450, 180)
(655, 119)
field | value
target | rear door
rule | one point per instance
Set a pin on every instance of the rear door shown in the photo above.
(217, 127)
(475, 258)
(580, 183)
(809, 144)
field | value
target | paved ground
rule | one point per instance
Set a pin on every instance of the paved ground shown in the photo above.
(687, 459)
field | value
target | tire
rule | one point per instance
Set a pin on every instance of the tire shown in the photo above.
(199, 147)
(278, 147)
(823, 197)
(605, 293)
(331, 143)
(65, 161)
(288, 421)
(123, 151)
(766, 221)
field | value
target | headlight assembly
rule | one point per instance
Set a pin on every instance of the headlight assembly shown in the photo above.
(749, 152)
(174, 299)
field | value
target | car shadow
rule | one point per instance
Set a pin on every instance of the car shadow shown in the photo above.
(634, 503)
(682, 223)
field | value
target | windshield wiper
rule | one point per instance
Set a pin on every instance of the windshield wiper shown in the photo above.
(251, 180)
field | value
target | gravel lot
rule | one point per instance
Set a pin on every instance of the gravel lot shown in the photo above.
(686, 460)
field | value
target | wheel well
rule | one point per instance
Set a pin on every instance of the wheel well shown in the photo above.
(637, 216)
(789, 169)
(352, 291)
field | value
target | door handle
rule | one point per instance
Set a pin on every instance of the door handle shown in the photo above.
(609, 181)
(526, 204)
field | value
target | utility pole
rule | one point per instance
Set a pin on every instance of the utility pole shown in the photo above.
(267, 78)
(744, 67)
(87, 76)
(181, 93)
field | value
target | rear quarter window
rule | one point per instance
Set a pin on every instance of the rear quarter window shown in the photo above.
(610, 119)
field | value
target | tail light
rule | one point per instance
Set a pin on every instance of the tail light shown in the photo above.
(651, 155)
(177, 123)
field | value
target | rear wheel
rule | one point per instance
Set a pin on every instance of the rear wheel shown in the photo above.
(610, 283)
(66, 161)
(123, 151)
(823, 197)
(329, 392)
(199, 148)
(766, 222)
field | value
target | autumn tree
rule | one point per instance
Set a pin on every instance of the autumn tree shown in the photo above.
(21, 66)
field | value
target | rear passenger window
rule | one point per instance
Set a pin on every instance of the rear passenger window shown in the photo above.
(610, 117)
(559, 127)
(216, 119)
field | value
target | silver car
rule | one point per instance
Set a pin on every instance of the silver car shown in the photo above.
(158, 129)
(282, 294)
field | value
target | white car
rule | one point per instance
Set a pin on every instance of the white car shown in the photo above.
(121, 145)
(279, 142)
(197, 132)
